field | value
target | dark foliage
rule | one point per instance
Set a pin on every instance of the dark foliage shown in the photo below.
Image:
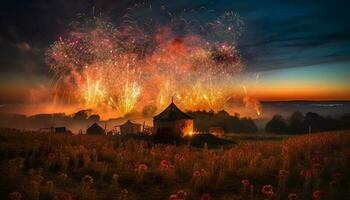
(298, 123)
(209, 140)
(276, 125)
(203, 120)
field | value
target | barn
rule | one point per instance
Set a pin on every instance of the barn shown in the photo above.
(172, 123)
(130, 128)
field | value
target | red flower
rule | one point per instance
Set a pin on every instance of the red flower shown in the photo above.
(318, 194)
(205, 196)
(196, 173)
(282, 173)
(267, 190)
(64, 196)
(306, 173)
(181, 194)
(173, 197)
(245, 182)
(164, 163)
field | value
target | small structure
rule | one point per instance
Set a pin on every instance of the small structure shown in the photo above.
(217, 131)
(172, 123)
(61, 129)
(130, 128)
(95, 129)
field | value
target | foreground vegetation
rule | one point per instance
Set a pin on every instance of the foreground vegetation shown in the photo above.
(46, 166)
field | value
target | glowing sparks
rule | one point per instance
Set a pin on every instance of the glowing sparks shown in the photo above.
(132, 66)
(251, 102)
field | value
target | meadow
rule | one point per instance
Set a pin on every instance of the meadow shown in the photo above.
(63, 167)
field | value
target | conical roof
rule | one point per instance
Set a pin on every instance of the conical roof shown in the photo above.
(129, 123)
(172, 112)
(95, 129)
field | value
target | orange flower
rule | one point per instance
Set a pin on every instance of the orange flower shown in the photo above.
(267, 190)
(142, 168)
(88, 179)
(292, 196)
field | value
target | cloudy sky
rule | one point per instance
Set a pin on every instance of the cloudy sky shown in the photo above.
(299, 49)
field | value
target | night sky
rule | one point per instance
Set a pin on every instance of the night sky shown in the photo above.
(299, 49)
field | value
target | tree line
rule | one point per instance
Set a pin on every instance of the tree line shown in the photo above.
(203, 120)
(298, 123)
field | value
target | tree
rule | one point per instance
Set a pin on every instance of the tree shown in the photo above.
(248, 125)
(296, 123)
(276, 125)
(94, 118)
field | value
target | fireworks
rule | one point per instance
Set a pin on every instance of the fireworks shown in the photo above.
(139, 63)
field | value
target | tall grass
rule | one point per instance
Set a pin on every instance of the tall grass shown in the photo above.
(48, 166)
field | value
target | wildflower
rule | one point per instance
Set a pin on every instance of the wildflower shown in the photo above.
(115, 177)
(285, 151)
(15, 196)
(318, 194)
(140, 172)
(292, 196)
(267, 190)
(63, 177)
(49, 188)
(306, 174)
(63, 196)
(245, 187)
(173, 197)
(178, 157)
(283, 173)
(196, 174)
(142, 168)
(88, 179)
(205, 196)
(245, 182)
(164, 163)
(181, 195)
(123, 194)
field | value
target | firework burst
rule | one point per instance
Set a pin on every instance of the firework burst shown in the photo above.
(140, 63)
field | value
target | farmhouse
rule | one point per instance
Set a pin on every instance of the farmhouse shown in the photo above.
(130, 128)
(172, 123)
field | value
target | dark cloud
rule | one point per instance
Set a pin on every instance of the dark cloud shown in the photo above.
(279, 34)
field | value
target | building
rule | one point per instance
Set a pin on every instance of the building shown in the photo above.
(172, 123)
(95, 129)
(130, 128)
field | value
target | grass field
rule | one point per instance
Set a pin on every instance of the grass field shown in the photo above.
(47, 166)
